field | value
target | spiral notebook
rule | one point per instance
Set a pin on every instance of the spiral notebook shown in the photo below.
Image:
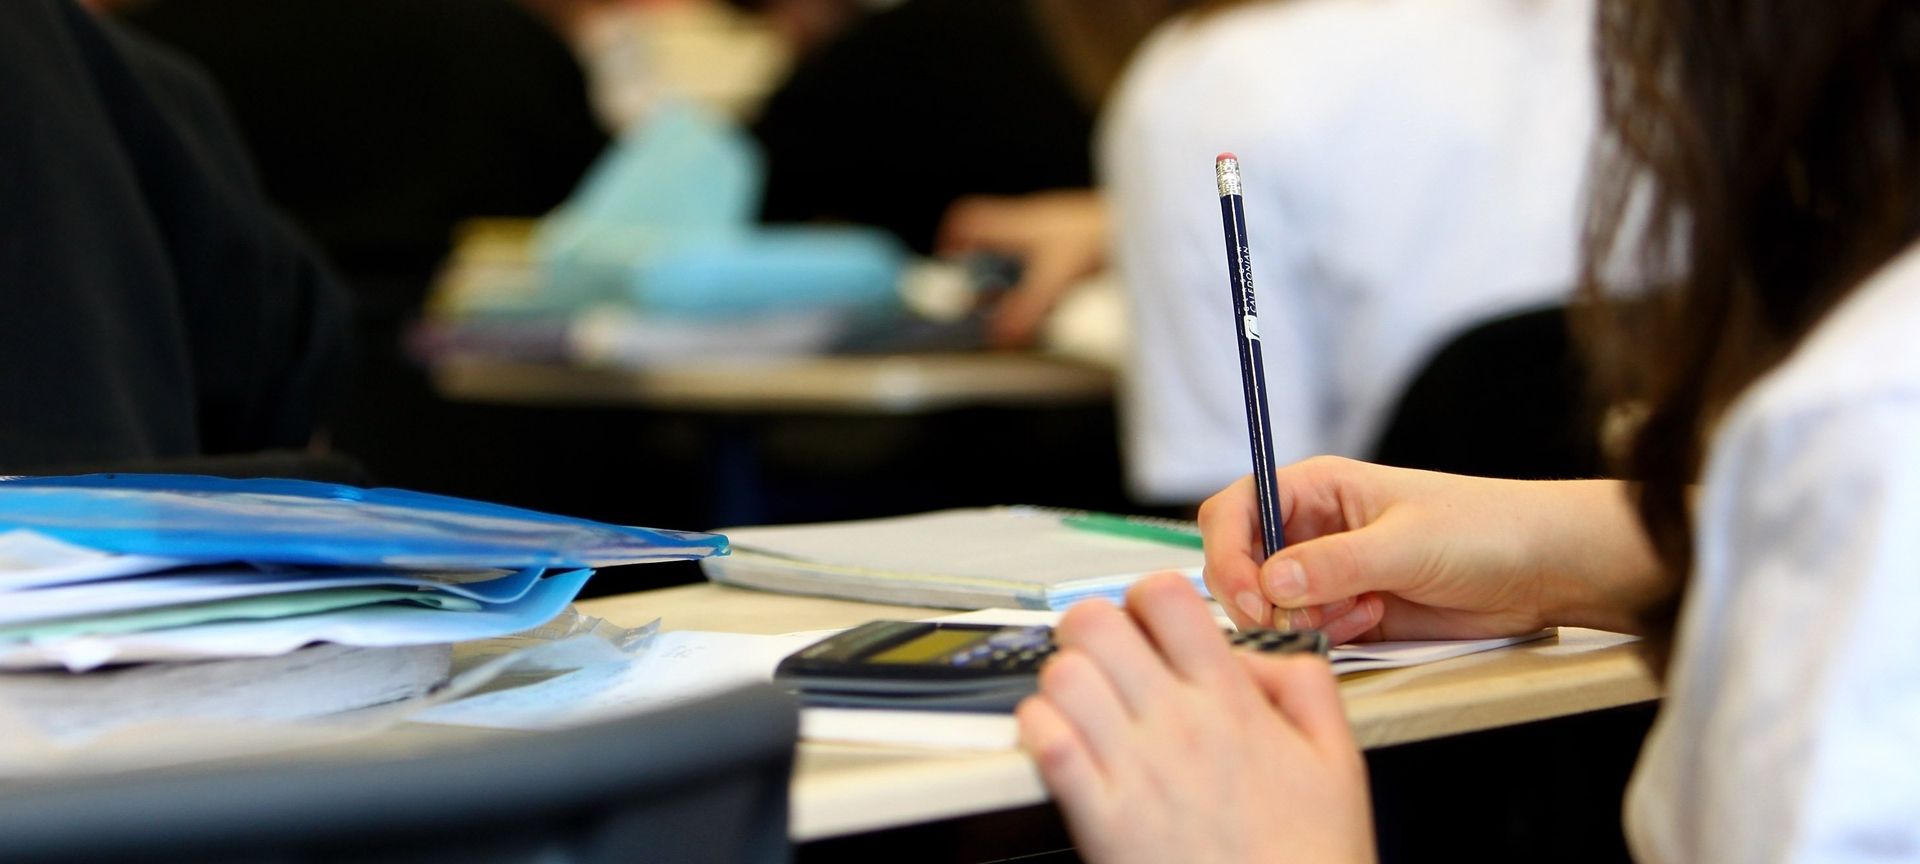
(1013, 557)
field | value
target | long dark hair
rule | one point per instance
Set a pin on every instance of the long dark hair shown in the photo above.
(1761, 157)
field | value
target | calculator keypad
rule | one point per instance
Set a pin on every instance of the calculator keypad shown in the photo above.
(1010, 650)
(1024, 649)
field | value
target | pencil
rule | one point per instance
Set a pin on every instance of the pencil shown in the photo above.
(1253, 373)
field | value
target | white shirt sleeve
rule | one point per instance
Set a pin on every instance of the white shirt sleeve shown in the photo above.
(1792, 732)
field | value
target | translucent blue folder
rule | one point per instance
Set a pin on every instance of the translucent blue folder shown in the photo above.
(130, 568)
(210, 519)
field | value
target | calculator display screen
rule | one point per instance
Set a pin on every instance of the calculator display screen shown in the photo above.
(931, 646)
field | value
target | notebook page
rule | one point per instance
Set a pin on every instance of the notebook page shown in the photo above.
(998, 546)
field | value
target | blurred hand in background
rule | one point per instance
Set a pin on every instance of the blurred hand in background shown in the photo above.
(1059, 239)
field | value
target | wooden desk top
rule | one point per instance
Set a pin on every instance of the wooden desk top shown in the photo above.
(878, 384)
(844, 789)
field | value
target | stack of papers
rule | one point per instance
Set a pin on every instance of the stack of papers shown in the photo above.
(110, 570)
(63, 605)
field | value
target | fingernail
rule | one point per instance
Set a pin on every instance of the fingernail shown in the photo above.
(1253, 604)
(1285, 581)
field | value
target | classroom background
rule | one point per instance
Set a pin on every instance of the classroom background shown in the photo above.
(701, 264)
(697, 264)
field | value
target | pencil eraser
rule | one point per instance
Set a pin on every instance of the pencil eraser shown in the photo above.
(1225, 156)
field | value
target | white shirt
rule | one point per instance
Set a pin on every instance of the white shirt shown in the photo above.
(1411, 167)
(1791, 731)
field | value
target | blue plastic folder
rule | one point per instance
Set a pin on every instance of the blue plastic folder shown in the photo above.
(210, 519)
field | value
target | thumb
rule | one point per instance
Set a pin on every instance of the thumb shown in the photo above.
(1339, 566)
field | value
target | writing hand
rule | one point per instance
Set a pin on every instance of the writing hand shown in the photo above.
(1388, 553)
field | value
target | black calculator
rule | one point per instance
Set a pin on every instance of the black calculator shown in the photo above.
(952, 667)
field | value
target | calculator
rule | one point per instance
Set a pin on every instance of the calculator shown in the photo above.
(952, 667)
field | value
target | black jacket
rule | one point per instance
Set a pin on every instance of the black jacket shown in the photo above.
(151, 304)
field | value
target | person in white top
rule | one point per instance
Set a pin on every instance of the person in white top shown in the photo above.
(1758, 173)
(1791, 731)
(1411, 167)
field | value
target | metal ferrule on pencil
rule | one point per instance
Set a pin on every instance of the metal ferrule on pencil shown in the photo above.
(1227, 173)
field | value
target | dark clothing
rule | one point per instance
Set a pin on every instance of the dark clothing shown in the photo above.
(917, 106)
(1507, 398)
(380, 124)
(154, 307)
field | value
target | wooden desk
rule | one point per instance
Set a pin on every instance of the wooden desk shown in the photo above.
(859, 384)
(841, 790)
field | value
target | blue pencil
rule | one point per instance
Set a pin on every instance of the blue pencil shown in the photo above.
(1253, 373)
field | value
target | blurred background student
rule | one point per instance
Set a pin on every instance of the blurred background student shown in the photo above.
(1417, 162)
(1412, 169)
(382, 126)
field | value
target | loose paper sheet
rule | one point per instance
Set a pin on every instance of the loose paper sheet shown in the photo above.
(29, 559)
(223, 716)
(368, 626)
(206, 586)
(682, 665)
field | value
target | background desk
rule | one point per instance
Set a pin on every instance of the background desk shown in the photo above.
(841, 790)
(755, 441)
(882, 384)
(701, 442)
